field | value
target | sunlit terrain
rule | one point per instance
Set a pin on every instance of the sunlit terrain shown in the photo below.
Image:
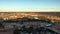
(27, 14)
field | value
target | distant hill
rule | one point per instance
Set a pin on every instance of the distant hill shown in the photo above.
(51, 13)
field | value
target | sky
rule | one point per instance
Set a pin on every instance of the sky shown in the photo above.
(29, 5)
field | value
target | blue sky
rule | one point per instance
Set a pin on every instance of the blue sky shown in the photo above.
(28, 5)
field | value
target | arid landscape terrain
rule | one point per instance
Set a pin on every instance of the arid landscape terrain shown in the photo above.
(29, 15)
